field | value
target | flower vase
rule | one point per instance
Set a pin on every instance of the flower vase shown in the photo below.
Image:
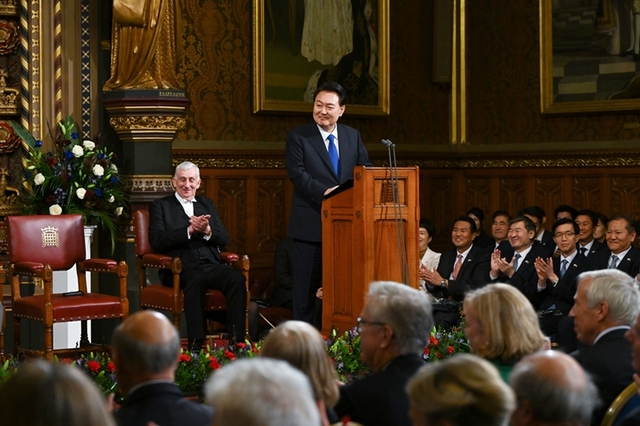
(67, 334)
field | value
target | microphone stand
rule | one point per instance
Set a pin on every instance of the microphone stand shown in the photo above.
(401, 244)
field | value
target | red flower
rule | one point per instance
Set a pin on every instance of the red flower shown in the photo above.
(450, 349)
(93, 366)
(433, 341)
(427, 351)
(184, 358)
(438, 355)
(213, 363)
(230, 355)
(241, 345)
(51, 161)
(111, 367)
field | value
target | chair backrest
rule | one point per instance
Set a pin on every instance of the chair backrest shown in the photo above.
(141, 236)
(624, 403)
(54, 240)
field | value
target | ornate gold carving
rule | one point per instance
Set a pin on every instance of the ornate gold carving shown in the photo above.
(148, 183)
(233, 163)
(166, 123)
(50, 237)
(9, 7)
(9, 97)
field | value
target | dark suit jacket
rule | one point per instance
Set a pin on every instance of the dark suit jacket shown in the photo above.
(310, 171)
(525, 278)
(632, 419)
(380, 399)
(474, 272)
(165, 405)
(168, 225)
(609, 363)
(596, 247)
(562, 294)
(629, 265)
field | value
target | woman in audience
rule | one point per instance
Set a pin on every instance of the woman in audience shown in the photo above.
(501, 326)
(302, 346)
(462, 390)
(600, 231)
(47, 394)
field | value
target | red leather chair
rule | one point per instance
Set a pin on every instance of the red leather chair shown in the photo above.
(160, 297)
(39, 245)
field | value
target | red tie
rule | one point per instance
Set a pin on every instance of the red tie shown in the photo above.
(456, 267)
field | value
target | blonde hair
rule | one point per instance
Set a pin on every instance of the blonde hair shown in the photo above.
(48, 394)
(302, 346)
(463, 389)
(508, 320)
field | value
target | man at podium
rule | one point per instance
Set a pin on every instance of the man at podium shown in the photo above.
(319, 157)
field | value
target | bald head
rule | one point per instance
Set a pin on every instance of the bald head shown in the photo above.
(552, 387)
(150, 327)
(144, 347)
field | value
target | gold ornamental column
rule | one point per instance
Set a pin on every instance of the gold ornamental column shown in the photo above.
(145, 101)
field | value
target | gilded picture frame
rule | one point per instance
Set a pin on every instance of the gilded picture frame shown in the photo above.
(584, 68)
(290, 59)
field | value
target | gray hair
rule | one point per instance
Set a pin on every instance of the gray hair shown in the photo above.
(617, 289)
(143, 356)
(186, 165)
(551, 402)
(261, 392)
(406, 310)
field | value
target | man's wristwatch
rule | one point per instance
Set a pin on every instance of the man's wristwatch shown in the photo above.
(443, 283)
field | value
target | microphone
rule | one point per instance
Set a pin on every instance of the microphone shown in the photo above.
(401, 243)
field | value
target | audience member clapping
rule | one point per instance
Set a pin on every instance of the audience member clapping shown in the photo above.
(501, 326)
(462, 390)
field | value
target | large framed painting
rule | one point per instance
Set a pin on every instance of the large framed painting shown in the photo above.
(300, 44)
(589, 55)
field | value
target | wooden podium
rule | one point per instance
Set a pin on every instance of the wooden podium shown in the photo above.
(361, 232)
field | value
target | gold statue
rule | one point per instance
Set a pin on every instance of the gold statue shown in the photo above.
(146, 44)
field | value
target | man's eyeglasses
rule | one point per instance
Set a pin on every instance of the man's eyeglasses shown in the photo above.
(362, 322)
(567, 234)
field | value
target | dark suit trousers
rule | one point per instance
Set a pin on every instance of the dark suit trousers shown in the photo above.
(229, 281)
(307, 279)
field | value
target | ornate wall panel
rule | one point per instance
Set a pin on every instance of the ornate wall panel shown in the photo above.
(625, 195)
(587, 191)
(511, 194)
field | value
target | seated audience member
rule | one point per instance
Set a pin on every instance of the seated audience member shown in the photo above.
(261, 392)
(482, 239)
(145, 349)
(501, 326)
(607, 303)
(461, 390)
(557, 275)
(281, 296)
(394, 329)
(587, 220)
(621, 255)
(538, 217)
(302, 346)
(499, 228)
(51, 394)
(633, 336)
(428, 258)
(565, 211)
(600, 232)
(552, 389)
(461, 269)
(518, 268)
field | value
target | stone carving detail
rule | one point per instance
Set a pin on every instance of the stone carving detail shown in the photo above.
(147, 122)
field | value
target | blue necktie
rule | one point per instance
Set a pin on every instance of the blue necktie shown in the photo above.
(563, 268)
(516, 261)
(333, 155)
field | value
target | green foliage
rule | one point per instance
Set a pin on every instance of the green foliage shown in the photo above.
(76, 177)
(344, 351)
(444, 343)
